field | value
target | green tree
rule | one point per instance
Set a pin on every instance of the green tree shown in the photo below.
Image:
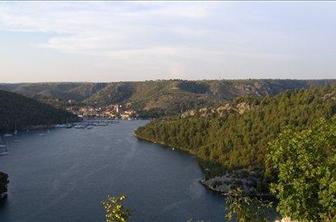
(242, 208)
(115, 210)
(327, 192)
(305, 162)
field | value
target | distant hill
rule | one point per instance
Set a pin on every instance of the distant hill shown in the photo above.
(62, 91)
(20, 112)
(165, 96)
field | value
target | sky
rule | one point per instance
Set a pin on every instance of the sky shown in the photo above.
(131, 41)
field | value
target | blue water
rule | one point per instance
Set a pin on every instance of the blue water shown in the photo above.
(65, 174)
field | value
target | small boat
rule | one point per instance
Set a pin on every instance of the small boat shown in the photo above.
(5, 151)
(100, 124)
(15, 130)
(60, 126)
(79, 127)
(68, 126)
(8, 135)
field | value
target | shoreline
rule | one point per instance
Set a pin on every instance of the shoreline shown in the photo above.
(30, 128)
(165, 145)
(227, 178)
(36, 127)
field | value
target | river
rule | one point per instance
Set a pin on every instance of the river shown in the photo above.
(64, 174)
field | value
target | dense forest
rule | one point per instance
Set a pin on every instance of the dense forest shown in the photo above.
(239, 140)
(155, 98)
(19, 112)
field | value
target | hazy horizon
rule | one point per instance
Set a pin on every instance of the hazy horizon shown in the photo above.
(138, 41)
(145, 80)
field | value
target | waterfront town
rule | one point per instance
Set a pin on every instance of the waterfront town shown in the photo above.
(114, 111)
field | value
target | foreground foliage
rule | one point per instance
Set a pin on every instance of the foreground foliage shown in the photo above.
(115, 210)
(242, 208)
(306, 165)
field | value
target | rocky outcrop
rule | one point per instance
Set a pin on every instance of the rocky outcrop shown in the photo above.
(329, 96)
(243, 107)
(3, 185)
(219, 111)
(286, 219)
(248, 181)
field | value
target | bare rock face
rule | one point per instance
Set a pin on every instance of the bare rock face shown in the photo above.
(329, 96)
(243, 107)
(248, 181)
(188, 113)
(286, 219)
(218, 111)
(224, 184)
(3, 185)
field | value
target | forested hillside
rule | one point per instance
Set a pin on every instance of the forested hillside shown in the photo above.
(19, 112)
(61, 91)
(240, 139)
(156, 97)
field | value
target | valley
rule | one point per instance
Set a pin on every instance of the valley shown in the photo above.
(150, 99)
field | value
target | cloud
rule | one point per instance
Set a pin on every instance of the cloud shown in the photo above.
(101, 28)
(108, 28)
(179, 37)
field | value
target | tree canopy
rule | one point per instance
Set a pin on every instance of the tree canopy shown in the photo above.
(241, 140)
(306, 165)
(115, 209)
(19, 112)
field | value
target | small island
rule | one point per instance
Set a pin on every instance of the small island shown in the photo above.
(3, 186)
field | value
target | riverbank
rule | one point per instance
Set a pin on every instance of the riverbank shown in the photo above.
(248, 180)
(36, 127)
(164, 144)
